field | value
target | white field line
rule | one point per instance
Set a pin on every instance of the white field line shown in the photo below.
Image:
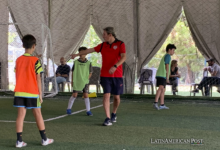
(55, 118)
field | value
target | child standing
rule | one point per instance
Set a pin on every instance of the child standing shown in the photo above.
(81, 71)
(28, 93)
(162, 76)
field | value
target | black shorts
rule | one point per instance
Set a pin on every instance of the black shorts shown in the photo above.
(85, 90)
(161, 81)
(28, 103)
(112, 85)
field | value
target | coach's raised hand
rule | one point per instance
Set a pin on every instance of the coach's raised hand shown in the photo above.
(73, 55)
(85, 52)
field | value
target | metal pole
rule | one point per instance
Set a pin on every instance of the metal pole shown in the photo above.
(136, 40)
(49, 25)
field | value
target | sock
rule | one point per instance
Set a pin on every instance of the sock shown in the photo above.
(71, 101)
(43, 135)
(155, 102)
(19, 136)
(87, 102)
(113, 114)
(162, 105)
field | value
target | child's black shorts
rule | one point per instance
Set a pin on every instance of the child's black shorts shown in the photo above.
(28, 103)
(161, 81)
(85, 90)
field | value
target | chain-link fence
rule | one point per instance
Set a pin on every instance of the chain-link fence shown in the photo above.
(143, 25)
(43, 51)
(169, 24)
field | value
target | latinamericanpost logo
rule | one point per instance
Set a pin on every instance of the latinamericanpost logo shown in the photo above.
(191, 141)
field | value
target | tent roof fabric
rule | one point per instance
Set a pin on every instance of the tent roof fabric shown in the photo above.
(142, 24)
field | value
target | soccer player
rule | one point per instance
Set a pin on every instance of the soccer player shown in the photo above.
(113, 56)
(81, 71)
(28, 94)
(162, 76)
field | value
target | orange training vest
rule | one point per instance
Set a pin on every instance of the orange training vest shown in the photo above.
(26, 78)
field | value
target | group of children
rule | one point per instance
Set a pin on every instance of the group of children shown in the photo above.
(29, 96)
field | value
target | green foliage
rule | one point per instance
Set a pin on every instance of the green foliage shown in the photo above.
(91, 40)
(188, 56)
(11, 37)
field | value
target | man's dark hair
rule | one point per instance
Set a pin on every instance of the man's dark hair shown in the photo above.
(170, 46)
(82, 49)
(28, 41)
(110, 30)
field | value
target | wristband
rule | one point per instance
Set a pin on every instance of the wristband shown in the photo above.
(115, 66)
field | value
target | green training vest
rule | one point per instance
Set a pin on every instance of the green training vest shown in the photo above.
(80, 75)
(161, 71)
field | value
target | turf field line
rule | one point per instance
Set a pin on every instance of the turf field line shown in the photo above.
(76, 112)
(15, 121)
(55, 118)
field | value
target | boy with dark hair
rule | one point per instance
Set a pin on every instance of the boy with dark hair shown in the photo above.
(162, 76)
(28, 93)
(81, 72)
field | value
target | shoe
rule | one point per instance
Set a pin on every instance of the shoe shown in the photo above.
(164, 107)
(68, 111)
(47, 142)
(89, 113)
(195, 91)
(175, 90)
(20, 144)
(218, 91)
(155, 105)
(113, 117)
(107, 122)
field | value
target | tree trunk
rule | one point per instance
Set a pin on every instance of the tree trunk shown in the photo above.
(189, 76)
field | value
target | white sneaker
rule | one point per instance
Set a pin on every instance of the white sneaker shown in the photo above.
(164, 107)
(155, 105)
(47, 142)
(20, 144)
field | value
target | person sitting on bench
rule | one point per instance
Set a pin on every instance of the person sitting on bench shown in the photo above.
(174, 75)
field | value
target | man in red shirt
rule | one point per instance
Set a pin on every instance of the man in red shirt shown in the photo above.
(113, 55)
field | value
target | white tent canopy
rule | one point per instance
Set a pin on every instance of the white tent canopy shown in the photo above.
(143, 25)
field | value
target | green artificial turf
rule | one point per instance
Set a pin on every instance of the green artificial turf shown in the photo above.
(137, 123)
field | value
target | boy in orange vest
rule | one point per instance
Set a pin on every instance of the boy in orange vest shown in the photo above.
(28, 93)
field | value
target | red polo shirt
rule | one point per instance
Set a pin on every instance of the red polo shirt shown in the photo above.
(111, 54)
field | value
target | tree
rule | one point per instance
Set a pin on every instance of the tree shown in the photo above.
(11, 37)
(190, 60)
(91, 40)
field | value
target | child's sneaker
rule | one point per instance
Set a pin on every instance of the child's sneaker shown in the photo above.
(89, 113)
(20, 144)
(113, 117)
(107, 122)
(47, 142)
(164, 107)
(68, 111)
(155, 105)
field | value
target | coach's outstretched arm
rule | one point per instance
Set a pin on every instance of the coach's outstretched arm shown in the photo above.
(91, 50)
